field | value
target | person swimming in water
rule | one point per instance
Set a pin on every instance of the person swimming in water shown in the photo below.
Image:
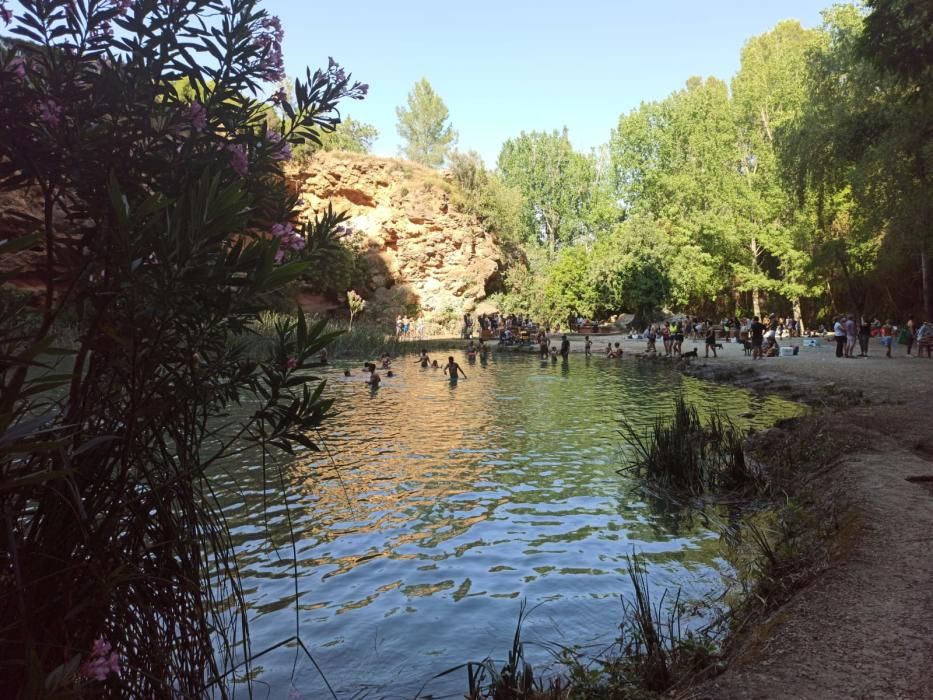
(374, 377)
(346, 373)
(386, 360)
(423, 359)
(452, 369)
(434, 364)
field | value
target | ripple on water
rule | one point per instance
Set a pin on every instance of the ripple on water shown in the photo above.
(438, 506)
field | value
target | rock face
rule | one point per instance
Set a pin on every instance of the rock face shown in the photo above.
(417, 249)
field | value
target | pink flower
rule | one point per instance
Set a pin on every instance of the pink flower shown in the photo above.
(238, 159)
(197, 116)
(281, 149)
(291, 362)
(50, 112)
(269, 38)
(17, 66)
(101, 663)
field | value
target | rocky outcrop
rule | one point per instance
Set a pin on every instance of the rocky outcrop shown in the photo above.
(417, 249)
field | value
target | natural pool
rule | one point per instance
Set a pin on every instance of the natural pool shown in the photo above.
(438, 507)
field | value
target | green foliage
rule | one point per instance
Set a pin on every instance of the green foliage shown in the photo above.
(424, 126)
(559, 185)
(484, 195)
(350, 135)
(168, 229)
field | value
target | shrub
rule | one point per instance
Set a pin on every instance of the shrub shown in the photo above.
(167, 224)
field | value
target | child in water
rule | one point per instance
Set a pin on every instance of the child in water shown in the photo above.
(553, 353)
(587, 346)
(452, 369)
(423, 359)
(434, 364)
(386, 360)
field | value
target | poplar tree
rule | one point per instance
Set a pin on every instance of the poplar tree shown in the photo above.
(425, 126)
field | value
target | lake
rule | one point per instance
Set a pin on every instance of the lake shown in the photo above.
(436, 508)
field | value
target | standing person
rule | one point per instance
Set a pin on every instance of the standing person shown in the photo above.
(398, 326)
(420, 328)
(839, 335)
(542, 345)
(864, 335)
(851, 335)
(453, 370)
(678, 338)
(564, 347)
(887, 337)
(374, 377)
(666, 338)
(711, 341)
(587, 346)
(911, 334)
(758, 335)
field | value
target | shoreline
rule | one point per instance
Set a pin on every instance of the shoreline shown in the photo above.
(858, 625)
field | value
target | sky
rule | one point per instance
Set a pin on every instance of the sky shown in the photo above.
(504, 66)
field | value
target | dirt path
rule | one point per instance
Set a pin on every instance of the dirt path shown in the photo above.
(864, 627)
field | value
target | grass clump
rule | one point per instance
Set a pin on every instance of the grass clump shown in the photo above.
(684, 456)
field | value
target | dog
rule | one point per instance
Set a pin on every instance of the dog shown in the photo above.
(719, 346)
(747, 344)
(689, 353)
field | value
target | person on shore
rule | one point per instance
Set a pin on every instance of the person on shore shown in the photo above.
(758, 335)
(839, 335)
(711, 341)
(398, 326)
(677, 348)
(419, 329)
(651, 336)
(666, 338)
(851, 335)
(587, 346)
(925, 339)
(864, 335)
(887, 338)
(453, 370)
(911, 335)
(564, 347)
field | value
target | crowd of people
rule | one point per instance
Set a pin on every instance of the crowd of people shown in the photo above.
(847, 333)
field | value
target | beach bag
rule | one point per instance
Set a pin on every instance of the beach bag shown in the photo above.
(903, 336)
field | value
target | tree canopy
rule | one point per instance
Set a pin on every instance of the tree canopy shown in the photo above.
(425, 127)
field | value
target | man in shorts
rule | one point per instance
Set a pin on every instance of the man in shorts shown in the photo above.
(758, 333)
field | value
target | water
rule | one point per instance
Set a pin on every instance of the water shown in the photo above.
(438, 507)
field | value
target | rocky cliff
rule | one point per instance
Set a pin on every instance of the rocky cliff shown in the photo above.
(416, 248)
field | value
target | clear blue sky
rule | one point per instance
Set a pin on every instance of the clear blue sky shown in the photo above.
(503, 66)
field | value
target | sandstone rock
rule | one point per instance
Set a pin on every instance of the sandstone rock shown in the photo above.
(416, 248)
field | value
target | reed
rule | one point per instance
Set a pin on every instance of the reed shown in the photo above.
(682, 455)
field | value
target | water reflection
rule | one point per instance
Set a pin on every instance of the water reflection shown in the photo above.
(440, 504)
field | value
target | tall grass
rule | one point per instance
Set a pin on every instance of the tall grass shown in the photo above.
(682, 455)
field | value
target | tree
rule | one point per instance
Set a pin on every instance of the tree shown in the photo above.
(166, 227)
(350, 135)
(424, 126)
(559, 186)
(770, 92)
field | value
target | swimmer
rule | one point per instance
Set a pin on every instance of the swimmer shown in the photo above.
(423, 359)
(346, 373)
(434, 364)
(386, 360)
(322, 358)
(452, 369)
(374, 378)
(389, 373)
